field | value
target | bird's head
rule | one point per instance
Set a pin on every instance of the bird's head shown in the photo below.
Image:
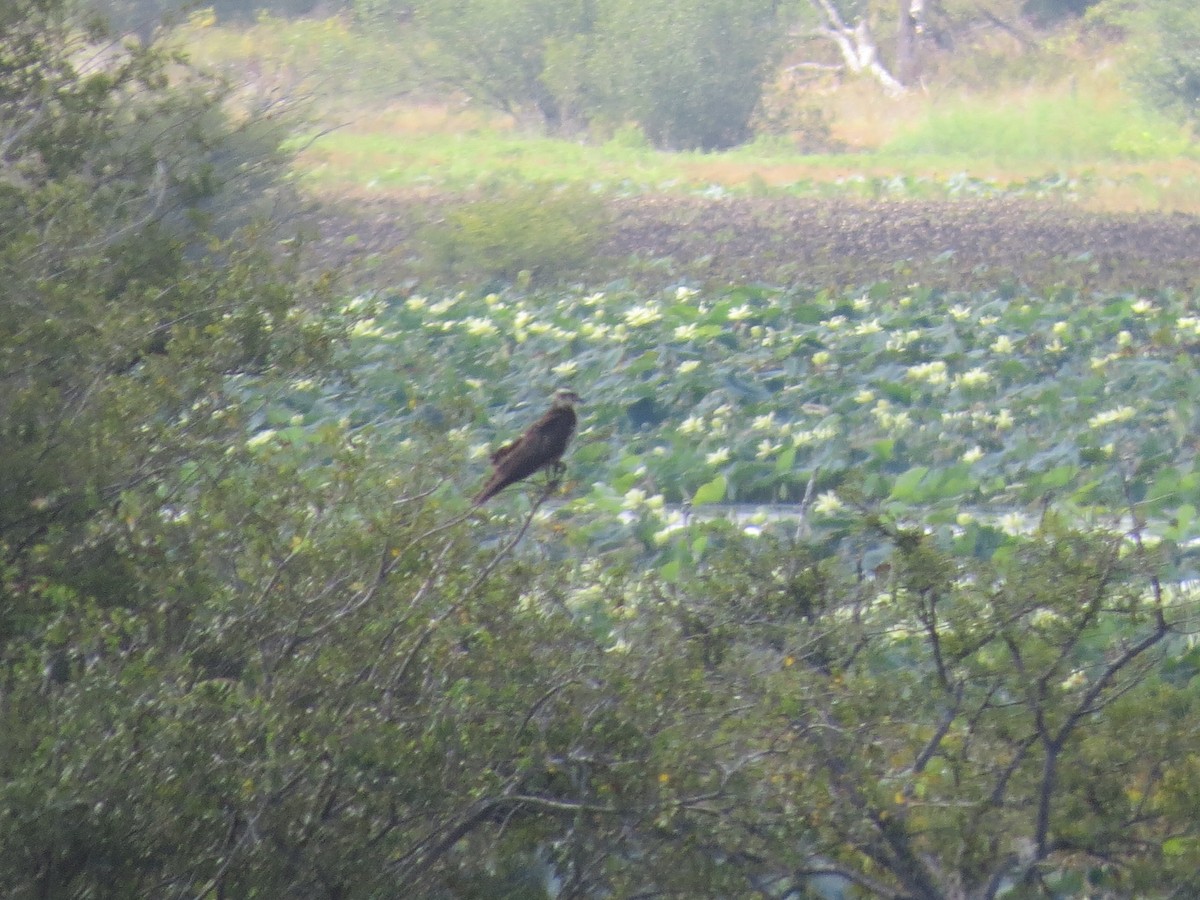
(565, 398)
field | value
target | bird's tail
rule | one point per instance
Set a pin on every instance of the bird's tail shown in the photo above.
(489, 491)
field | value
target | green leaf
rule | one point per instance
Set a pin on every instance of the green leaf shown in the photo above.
(1185, 515)
(784, 461)
(1058, 477)
(643, 363)
(712, 492)
(806, 313)
(623, 483)
(684, 312)
(1180, 528)
(669, 571)
(1178, 846)
(952, 483)
(894, 390)
(905, 487)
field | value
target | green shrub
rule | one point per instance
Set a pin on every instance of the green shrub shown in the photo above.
(1167, 68)
(497, 51)
(133, 290)
(547, 231)
(689, 73)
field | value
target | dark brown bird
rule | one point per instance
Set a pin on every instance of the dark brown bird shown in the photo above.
(541, 446)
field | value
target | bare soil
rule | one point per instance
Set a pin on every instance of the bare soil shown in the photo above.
(376, 242)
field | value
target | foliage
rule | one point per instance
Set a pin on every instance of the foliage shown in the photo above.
(325, 59)
(688, 73)
(496, 50)
(346, 688)
(541, 230)
(1166, 68)
(944, 706)
(1047, 11)
(964, 406)
(123, 311)
(143, 17)
(255, 643)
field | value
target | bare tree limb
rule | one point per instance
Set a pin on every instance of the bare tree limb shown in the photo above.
(856, 44)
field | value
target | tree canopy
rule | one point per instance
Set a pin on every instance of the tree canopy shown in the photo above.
(127, 303)
(689, 74)
(254, 641)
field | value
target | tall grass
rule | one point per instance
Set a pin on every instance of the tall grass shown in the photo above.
(1048, 129)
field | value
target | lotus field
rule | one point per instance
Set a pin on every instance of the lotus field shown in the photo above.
(971, 413)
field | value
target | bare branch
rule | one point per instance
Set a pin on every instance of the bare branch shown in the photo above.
(856, 44)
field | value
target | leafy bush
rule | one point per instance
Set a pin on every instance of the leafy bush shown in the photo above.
(1166, 67)
(544, 230)
(689, 72)
(1045, 12)
(128, 301)
(346, 689)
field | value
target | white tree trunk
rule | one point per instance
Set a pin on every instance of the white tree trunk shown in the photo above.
(857, 46)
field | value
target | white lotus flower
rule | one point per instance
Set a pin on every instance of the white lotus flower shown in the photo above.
(646, 314)
(1003, 344)
(717, 457)
(828, 503)
(1111, 416)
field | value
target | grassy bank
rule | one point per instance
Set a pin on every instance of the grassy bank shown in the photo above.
(1076, 136)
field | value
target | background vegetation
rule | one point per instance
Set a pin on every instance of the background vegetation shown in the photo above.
(873, 573)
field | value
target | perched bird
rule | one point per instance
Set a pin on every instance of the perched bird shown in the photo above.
(541, 446)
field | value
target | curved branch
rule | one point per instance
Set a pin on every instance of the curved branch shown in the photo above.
(857, 46)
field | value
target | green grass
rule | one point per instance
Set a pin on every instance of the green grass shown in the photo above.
(385, 131)
(1047, 129)
(460, 161)
(363, 159)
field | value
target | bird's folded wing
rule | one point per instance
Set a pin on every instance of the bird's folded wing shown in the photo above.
(500, 452)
